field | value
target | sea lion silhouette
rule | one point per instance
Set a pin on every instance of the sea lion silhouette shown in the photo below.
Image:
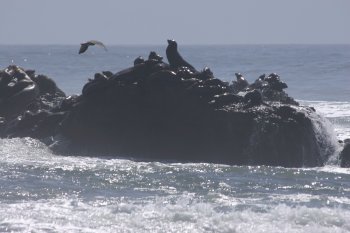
(174, 58)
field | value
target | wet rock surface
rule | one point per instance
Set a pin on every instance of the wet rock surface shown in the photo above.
(345, 154)
(155, 110)
(26, 102)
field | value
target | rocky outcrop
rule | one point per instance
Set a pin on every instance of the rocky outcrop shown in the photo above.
(17, 90)
(158, 111)
(26, 101)
(345, 154)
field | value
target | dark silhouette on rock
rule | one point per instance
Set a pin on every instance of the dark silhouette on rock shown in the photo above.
(26, 99)
(19, 91)
(240, 84)
(153, 110)
(175, 59)
(154, 56)
(139, 60)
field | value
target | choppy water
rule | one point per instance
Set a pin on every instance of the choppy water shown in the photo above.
(44, 192)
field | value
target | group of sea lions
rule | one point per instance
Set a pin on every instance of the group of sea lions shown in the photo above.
(223, 92)
(179, 76)
(179, 65)
(17, 90)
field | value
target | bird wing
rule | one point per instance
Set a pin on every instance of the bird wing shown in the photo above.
(83, 48)
(96, 42)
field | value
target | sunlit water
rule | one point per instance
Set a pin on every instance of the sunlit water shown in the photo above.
(44, 192)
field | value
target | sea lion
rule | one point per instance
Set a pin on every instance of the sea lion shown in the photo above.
(205, 74)
(99, 77)
(275, 83)
(262, 77)
(15, 82)
(107, 73)
(240, 84)
(154, 56)
(225, 99)
(139, 60)
(174, 58)
(258, 84)
(96, 85)
(241, 80)
(47, 85)
(253, 98)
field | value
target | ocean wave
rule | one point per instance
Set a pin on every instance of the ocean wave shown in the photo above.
(159, 214)
(329, 109)
(338, 113)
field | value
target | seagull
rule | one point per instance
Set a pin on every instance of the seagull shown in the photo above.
(84, 46)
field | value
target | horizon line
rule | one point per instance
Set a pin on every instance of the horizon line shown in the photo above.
(182, 44)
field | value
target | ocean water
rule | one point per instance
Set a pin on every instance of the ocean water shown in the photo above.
(45, 192)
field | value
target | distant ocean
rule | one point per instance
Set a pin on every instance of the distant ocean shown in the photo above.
(45, 192)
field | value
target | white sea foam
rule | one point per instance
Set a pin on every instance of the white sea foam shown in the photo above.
(338, 113)
(159, 214)
(330, 109)
(43, 192)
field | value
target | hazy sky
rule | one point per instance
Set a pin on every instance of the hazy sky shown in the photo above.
(187, 21)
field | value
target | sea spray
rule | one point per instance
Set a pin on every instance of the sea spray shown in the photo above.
(327, 141)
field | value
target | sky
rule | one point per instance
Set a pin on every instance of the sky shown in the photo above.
(151, 22)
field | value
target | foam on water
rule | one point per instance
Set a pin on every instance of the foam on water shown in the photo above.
(164, 214)
(43, 192)
(330, 109)
(338, 113)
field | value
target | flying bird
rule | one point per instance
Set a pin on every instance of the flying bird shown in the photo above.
(85, 46)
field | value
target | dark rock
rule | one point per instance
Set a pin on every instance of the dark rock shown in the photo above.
(153, 110)
(67, 104)
(345, 155)
(185, 72)
(47, 85)
(48, 126)
(36, 125)
(214, 82)
(226, 99)
(164, 116)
